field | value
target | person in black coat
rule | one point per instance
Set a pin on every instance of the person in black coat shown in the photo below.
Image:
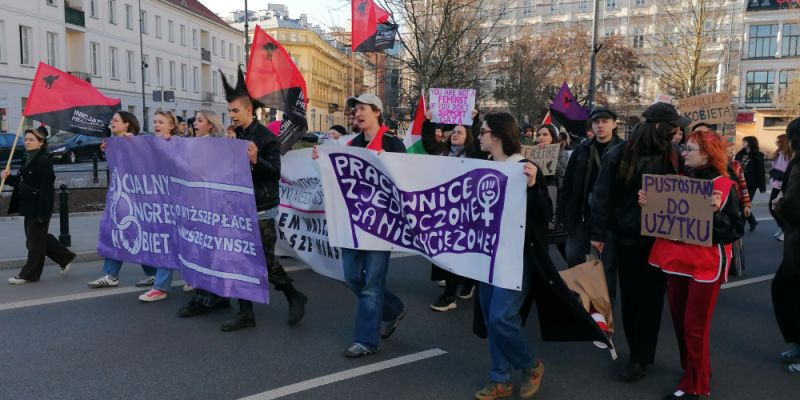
(786, 284)
(752, 161)
(615, 209)
(33, 198)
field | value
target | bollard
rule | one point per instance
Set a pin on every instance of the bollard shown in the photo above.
(95, 179)
(63, 210)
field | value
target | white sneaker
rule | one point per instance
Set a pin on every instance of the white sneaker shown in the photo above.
(778, 233)
(187, 288)
(153, 295)
(780, 237)
(16, 281)
(104, 282)
(65, 269)
(441, 283)
(149, 281)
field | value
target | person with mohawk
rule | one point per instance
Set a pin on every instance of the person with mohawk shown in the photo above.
(264, 155)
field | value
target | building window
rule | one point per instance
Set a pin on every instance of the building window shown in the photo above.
(25, 45)
(611, 5)
(758, 86)
(583, 6)
(214, 83)
(195, 79)
(158, 26)
(638, 38)
(790, 40)
(130, 66)
(214, 45)
(230, 51)
(183, 35)
(113, 59)
(222, 49)
(52, 46)
(763, 41)
(2, 41)
(145, 69)
(112, 12)
(172, 74)
(641, 3)
(93, 8)
(51, 2)
(171, 31)
(239, 54)
(183, 77)
(159, 71)
(129, 16)
(143, 24)
(609, 32)
(784, 77)
(194, 39)
(94, 55)
(527, 8)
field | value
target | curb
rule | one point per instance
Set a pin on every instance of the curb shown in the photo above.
(55, 215)
(82, 256)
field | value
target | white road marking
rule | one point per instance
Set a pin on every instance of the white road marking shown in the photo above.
(344, 375)
(748, 281)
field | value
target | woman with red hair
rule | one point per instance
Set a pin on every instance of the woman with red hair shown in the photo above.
(695, 273)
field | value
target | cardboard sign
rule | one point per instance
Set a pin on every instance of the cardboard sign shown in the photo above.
(545, 157)
(452, 106)
(678, 208)
(713, 108)
(664, 98)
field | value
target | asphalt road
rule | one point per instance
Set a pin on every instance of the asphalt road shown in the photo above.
(62, 344)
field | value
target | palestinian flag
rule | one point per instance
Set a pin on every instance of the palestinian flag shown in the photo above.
(68, 103)
(568, 113)
(274, 80)
(372, 31)
(414, 134)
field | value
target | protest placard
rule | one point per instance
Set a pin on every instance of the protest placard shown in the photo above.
(545, 157)
(465, 218)
(678, 208)
(712, 108)
(452, 106)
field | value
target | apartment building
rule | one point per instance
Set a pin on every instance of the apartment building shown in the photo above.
(184, 46)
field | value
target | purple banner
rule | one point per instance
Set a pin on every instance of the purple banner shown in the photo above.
(456, 217)
(187, 204)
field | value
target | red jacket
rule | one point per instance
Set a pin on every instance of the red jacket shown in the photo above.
(703, 264)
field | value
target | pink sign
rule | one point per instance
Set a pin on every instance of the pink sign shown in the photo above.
(452, 106)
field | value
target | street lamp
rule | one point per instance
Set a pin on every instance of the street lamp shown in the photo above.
(144, 66)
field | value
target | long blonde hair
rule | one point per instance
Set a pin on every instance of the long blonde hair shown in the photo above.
(216, 122)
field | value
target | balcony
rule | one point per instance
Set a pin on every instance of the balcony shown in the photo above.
(205, 55)
(74, 17)
(208, 97)
(82, 75)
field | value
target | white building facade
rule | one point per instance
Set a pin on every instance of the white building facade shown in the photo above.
(184, 47)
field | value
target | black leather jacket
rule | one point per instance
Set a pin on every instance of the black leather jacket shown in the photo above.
(267, 169)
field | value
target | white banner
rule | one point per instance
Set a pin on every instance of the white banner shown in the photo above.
(467, 216)
(302, 227)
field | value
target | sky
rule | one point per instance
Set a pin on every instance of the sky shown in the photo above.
(325, 13)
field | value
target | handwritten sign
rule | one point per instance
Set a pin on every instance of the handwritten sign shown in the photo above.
(664, 98)
(713, 108)
(452, 106)
(545, 157)
(678, 208)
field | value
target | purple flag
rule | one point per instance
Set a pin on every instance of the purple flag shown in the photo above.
(186, 204)
(568, 113)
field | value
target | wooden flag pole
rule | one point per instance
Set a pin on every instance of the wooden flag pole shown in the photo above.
(11, 155)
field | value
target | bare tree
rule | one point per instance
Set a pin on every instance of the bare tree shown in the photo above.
(788, 100)
(692, 39)
(443, 42)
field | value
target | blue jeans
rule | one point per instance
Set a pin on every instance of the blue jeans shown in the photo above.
(507, 344)
(111, 268)
(365, 274)
(163, 278)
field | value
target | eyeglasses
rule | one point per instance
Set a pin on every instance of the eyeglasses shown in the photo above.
(690, 149)
(484, 131)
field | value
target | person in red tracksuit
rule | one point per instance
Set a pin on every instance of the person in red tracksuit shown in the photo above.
(695, 273)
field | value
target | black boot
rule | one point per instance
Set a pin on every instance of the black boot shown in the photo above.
(243, 319)
(632, 372)
(297, 305)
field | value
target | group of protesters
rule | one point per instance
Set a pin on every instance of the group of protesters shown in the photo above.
(594, 201)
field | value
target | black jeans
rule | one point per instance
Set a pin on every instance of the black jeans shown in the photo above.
(772, 196)
(642, 288)
(40, 244)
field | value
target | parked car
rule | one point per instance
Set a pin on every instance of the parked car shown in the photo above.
(6, 141)
(71, 147)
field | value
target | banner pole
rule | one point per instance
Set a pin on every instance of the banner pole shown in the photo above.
(11, 154)
(353, 73)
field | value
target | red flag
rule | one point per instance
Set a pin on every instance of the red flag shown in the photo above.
(371, 31)
(376, 143)
(547, 119)
(274, 80)
(68, 103)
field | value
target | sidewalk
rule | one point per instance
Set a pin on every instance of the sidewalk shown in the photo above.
(83, 228)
